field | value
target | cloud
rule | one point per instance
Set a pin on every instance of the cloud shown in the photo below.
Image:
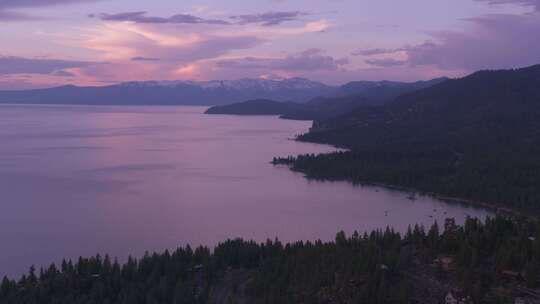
(136, 51)
(14, 16)
(533, 3)
(141, 17)
(264, 19)
(146, 38)
(63, 73)
(144, 59)
(377, 51)
(309, 60)
(19, 65)
(7, 8)
(9, 4)
(318, 26)
(125, 41)
(269, 18)
(385, 62)
(493, 41)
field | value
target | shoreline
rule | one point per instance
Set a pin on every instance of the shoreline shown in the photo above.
(452, 199)
(497, 209)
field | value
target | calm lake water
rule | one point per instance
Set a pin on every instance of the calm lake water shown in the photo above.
(122, 180)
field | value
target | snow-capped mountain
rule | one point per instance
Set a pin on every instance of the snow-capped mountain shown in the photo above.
(239, 84)
(216, 92)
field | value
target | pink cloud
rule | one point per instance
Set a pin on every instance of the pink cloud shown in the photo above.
(120, 41)
(143, 51)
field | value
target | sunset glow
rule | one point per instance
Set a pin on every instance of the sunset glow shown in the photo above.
(94, 42)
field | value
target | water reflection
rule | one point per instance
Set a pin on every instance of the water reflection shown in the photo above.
(122, 180)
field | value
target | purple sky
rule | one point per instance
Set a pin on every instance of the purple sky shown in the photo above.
(98, 42)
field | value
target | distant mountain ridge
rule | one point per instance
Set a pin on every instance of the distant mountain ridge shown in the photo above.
(345, 99)
(380, 92)
(215, 92)
(238, 84)
(173, 92)
(471, 107)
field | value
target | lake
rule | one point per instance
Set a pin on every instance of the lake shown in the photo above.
(76, 181)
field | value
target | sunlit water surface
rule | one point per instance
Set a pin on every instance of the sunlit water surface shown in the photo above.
(122, 180)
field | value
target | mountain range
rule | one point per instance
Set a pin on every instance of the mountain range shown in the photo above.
(201, 93)
(342, 100)
(172, 92)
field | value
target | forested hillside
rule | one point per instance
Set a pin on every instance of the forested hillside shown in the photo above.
(256, 107)
(491, 262)
(476, 138)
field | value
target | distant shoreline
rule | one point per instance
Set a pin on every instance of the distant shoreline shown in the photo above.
(497, 209)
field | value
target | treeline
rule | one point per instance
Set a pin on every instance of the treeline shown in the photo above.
(379, 267)
(507, 180)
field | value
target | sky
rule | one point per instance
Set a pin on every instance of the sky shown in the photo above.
(45, 43)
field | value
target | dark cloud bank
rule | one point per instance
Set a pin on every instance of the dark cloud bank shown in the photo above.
(141, 17)
(309, 60)
(265, 19)
(490, 42)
